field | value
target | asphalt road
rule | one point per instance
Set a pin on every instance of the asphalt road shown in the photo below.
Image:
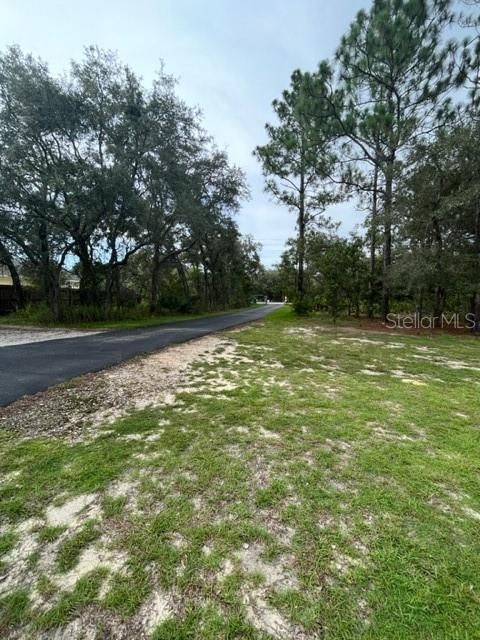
(29, 368)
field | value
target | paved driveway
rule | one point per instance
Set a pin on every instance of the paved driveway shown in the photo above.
(28, 368)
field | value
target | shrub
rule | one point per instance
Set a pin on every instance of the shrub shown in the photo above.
(302, 306)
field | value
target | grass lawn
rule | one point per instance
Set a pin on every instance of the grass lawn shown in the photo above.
(307, 483)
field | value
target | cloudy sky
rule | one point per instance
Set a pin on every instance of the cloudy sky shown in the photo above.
(231, 57)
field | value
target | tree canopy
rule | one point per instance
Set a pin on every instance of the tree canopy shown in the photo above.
(100, 174)
(397, 116)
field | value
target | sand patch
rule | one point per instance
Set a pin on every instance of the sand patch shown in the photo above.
(267, 619)
(276, 575)
(65, 515)
(304, 332)
(122, 489)
(17, 572)
(271, 435)
(471, 513)
(387, 434)
(414, 381)
(362, 341)
(446, 362)
(157, 609)
(343, 563)
(7, 478)
(90, 559)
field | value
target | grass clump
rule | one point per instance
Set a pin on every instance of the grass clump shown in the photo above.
(113, 506)
(14, 610)
(50, 533)
(71, 549)
(71, 602)
(7, 542)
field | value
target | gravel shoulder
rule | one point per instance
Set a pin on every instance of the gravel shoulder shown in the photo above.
(11, 336)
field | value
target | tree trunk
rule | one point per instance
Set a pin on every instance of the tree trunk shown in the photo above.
(88, 276)
(476, 295)
(420, 302)
(373, 247)
(475, 310)
(301, 239)
(206, 286)
(50, 274)
(155, 279)
(110, 283)
(183, 279)
(440, 292)
(440, 300)
(387, 242)
(54, 294)
(7, 260)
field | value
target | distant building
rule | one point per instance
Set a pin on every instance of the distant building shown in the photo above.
(5, 275)
(70, 280)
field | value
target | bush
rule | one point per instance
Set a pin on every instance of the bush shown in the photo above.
(77, 314)
(302, 306)
(93, 313)
(32, 314)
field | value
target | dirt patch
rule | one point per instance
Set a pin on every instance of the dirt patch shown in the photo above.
(67, 512)
(16, 561)
(306, 332)
(93, 558)
(156, 610)
(277, 576)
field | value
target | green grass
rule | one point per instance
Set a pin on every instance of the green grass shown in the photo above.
(50, 467)
(50, 533)
(333, 484)
(71, 549)
(113, 506)
(7, 542)
(71, 602)
(13, 610)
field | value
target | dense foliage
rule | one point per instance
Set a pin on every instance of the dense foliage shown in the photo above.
(393, 121)
(119, 185)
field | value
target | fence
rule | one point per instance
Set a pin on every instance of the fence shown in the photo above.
(8, 302)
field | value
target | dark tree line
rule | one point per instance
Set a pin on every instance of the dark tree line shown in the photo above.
(393, 120)
(119, 184)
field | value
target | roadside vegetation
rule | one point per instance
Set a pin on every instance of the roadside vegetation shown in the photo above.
(301, 481)
(114, 201)
(389, 124)
(128, 319)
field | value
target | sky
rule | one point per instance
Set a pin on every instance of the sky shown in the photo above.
(231, 58)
